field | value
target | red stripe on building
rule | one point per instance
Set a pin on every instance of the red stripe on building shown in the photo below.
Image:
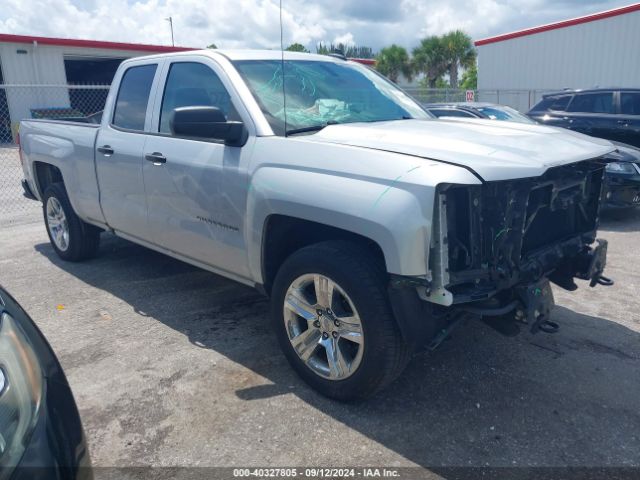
(565, 23)
(364, 61)
(72, 42)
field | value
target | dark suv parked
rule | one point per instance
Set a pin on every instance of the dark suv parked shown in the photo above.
(611, 113)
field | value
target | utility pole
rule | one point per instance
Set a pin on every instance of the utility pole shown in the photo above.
(170, 20)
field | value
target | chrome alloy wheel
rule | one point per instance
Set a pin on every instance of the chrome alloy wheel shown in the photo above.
(57, 224)
(323, 326)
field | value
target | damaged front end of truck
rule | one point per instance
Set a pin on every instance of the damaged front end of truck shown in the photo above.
(496, 246)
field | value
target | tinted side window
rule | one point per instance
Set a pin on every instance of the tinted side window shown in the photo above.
(592, 103)
(133, 97)
(451, 113)
(630, 103)
(553, 103)
(193, 84)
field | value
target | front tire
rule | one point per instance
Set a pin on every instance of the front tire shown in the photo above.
(71, 238)
(331, 313)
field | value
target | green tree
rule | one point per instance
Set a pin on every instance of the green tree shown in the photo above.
(430, 58)
(322, 49)
(354, 51)
(213, 45)
(350, 51)
(297, 47)
(393, 61)
(340, 48)
(459, 53)
(441, 83)
(469, 80)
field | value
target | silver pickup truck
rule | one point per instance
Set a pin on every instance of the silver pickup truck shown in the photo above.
(372, 227)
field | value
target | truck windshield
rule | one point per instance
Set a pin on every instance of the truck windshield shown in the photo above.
(320, 93)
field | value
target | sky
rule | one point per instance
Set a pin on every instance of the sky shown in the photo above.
(255, 23)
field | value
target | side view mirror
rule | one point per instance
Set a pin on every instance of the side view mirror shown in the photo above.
(206, 123)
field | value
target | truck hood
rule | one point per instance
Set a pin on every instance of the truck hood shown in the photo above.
(493, 150)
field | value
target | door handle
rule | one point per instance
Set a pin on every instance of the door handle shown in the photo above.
(156, 157)
(624, 123)
(106, 150)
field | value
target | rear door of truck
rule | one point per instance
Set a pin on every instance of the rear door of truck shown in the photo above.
(120, 146)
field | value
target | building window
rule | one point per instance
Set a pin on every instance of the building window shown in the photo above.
(89, 71)
(5, 118)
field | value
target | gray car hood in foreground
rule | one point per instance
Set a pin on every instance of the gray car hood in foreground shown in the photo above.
(494, 150)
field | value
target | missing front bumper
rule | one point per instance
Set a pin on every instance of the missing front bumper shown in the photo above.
(494, 237)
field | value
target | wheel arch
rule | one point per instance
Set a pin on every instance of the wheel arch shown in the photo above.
(284, 234)
(44, 175)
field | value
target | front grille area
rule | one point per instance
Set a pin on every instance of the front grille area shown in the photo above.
(566, 204)
(505, 232)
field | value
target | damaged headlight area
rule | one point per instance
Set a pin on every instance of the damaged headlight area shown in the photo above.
(21, 393)
(41, 434)
(495, 246)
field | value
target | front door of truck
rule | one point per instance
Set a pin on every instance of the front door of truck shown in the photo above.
(196, 188)
(119, 151)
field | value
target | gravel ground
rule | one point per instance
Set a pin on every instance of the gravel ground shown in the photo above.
(174, 366)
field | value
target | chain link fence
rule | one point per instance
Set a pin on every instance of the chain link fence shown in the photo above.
(18, 102)
(436, 95)
(521, 100)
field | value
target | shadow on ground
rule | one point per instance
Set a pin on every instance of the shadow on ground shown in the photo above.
(564, 399)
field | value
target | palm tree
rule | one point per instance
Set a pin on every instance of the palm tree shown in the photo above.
(430, 58)
(469, 80)
(393, 61)
(459, 53)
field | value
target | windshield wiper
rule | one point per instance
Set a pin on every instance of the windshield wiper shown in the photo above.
(312, 128)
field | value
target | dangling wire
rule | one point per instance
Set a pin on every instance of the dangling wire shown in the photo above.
(284, 93)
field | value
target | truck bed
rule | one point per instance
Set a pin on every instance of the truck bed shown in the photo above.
(70, 146)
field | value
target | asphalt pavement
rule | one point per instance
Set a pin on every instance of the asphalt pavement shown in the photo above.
(174, 366)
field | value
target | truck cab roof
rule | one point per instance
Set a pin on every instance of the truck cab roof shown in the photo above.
(246, 54)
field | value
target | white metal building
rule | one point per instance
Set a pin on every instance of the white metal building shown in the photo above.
(51, 63)
(601, 49)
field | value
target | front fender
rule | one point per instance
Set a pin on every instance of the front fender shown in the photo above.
(396, 216)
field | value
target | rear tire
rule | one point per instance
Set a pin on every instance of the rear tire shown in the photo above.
(71, 238)
(343, 360)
